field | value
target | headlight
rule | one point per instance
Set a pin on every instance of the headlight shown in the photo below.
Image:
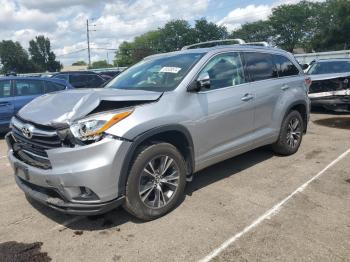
(92, 128)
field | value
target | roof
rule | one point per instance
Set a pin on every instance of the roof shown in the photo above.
(332, 60)
(219, 48)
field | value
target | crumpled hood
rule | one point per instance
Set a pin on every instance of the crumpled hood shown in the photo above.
(67, 106)
(321, 77)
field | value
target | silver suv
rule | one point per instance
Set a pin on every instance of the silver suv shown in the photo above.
(139, 140)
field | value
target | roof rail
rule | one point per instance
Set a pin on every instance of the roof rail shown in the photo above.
(257, 43)
(240, 42)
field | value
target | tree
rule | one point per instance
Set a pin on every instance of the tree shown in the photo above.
(259, 31)
(293, 25)
(175, 35)
(205, 31)
(42, 56)
(100, 64)
(14, 57)
(79, 63)
(333, 32)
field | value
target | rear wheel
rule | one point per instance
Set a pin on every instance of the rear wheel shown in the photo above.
(291, 134)
(156, 181)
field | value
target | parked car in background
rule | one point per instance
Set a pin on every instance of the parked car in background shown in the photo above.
(15, 92)
(82, 79)
(110, 74)
(139, 140)
(330, 86)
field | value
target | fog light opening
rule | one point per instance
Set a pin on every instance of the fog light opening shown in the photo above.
(86, 194)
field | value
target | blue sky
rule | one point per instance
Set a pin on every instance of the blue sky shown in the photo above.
(64, 21)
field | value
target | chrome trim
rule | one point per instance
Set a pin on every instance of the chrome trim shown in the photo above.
(35, 131)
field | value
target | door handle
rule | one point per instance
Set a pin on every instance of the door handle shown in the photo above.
(247, 97)
(285, 87)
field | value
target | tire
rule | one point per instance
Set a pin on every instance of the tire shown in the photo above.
(149, 193)
(291, 134)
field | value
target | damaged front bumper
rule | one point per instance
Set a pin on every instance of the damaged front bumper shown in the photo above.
(82, 180)
(334, 103)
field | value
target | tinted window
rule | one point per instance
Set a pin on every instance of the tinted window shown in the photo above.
(79, 80)
(95, 81)
(52, 87)
(29, 87)
(225, 70)
(259, 66)
(5, 88)
(284, 66)
(64, 77)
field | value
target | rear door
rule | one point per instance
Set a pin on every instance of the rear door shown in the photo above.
(26, 91)
(266, 87)
(6, 103)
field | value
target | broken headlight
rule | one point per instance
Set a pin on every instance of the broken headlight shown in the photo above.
(92, 127)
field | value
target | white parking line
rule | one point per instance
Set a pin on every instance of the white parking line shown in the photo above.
(2, 157)
(269, 213)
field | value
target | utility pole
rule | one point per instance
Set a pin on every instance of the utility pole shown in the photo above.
(88, 39)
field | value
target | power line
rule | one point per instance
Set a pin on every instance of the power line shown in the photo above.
(73, 52)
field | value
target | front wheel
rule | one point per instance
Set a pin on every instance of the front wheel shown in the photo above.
(291, 134)
(156, 181)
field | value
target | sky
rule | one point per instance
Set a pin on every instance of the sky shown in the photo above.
(115, 21)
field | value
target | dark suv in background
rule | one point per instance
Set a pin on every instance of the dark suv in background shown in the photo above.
(82, 79)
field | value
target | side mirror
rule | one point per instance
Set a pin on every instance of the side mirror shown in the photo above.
(304, 66)
(203, 81)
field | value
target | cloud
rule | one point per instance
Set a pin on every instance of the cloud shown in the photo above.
(239, 16)
(251, 13)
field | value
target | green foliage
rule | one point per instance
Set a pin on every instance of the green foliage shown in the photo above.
(100, 64)
(173, 36)
(42, 56)
(14, 57)
(259, 31)
(333, 31)
(292, 25)
(79, 63)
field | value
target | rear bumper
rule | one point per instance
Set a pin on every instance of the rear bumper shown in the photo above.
(46, 196)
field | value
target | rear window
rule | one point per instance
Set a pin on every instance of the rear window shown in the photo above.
(284, 66)
(5, 88)
(259, 66)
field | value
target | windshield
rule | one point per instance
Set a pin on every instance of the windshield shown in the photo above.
(156, 74)
(329, 67)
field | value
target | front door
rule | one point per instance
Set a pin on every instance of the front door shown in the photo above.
(226, 110)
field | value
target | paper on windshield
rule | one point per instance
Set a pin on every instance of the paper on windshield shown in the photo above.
(170, 69)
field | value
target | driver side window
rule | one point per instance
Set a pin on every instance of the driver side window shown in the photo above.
(225, 70)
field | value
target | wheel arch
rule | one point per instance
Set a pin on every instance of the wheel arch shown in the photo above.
(175, 134)
(301, 107)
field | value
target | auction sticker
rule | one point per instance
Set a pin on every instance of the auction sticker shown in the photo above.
(169, 69)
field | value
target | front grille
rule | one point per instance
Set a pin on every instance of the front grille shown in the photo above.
(33, 150)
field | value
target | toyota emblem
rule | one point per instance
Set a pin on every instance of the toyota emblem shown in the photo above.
(26, 131)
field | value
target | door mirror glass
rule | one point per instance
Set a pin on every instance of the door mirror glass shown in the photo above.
(304, 66)
(203, 81)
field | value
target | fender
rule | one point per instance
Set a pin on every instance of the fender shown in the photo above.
(138, 140)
